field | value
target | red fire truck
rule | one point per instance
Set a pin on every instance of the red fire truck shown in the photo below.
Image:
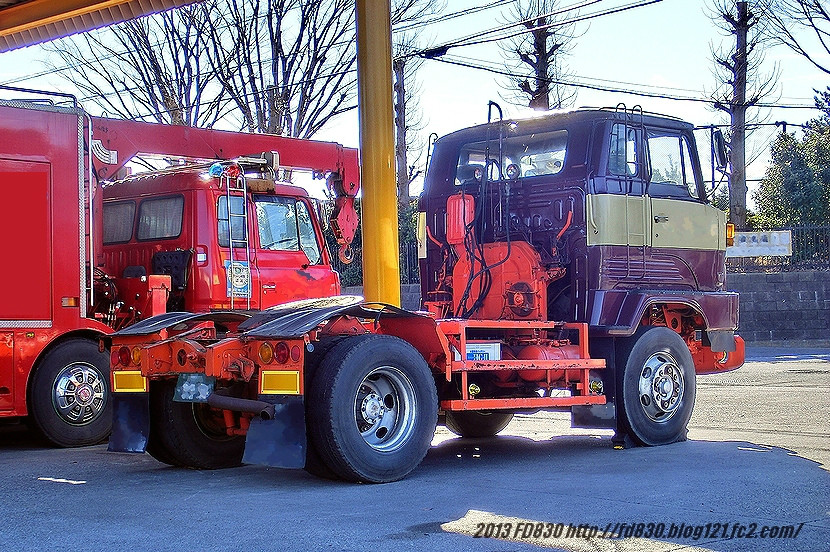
(88, 253)
(570, 262)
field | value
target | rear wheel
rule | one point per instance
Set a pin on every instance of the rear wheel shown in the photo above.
(475, 423)
(375, 409)
(657, 386)
(70, 394)
(190, 434)
(314, 464)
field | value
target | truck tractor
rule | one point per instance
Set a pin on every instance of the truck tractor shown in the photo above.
(570, 262)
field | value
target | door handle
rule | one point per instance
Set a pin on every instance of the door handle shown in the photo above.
(661, 218)
(269, 286)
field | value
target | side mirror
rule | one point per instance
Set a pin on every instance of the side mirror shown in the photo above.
(719, 149)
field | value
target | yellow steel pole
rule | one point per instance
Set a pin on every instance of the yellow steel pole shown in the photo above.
(381, 273)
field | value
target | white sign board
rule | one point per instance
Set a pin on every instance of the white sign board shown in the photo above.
(778, 243)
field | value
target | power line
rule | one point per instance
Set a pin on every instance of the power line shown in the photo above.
(607, 88)
(395, 29)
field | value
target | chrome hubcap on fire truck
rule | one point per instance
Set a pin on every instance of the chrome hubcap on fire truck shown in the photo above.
(661, 386)
(78, 393)
(385, 408)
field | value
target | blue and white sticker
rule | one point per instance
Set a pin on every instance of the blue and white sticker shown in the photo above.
(238, 279)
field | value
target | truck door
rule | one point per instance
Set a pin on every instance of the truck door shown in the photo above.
(289, 252)
(684, 228)
(628, 208)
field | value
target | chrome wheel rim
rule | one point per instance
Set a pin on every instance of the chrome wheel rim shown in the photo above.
(384, 409)
(661, 387)
(79, 393)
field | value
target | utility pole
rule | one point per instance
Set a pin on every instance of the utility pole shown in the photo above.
(737, 176)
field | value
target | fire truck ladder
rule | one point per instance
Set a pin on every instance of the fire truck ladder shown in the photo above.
(237, 272)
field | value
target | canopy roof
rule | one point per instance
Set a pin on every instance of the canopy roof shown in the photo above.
(27, 22)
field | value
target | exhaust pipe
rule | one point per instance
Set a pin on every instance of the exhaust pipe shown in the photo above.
(261, 408)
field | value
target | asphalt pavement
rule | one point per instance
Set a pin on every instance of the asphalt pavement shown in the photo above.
(756, 465)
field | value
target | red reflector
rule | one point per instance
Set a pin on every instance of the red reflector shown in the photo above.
(124, 356)
(114, 357)
(281, 352)
(295, 353)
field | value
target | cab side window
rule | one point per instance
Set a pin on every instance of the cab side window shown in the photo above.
(670, 165)
(623, 155)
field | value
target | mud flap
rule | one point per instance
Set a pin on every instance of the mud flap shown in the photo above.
(280, 442)
(130, 422)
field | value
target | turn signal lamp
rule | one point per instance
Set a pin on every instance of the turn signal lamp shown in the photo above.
(136, 355)
(730, 234)
(266, 353)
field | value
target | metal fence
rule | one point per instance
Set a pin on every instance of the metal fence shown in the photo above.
(811, 251)
(352, 274)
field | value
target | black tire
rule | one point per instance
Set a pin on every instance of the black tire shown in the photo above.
(475, 423)
(69, 396)
(314, 464)
(155, 445)
(373, 408)
(184, 434)
(657, 386)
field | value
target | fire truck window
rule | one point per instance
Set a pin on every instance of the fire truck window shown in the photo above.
(670, 167)
(238, 224)
(623, 155)
(536, 155)
(277, 221)
(308, 240)
(160, 218)
(119, 219)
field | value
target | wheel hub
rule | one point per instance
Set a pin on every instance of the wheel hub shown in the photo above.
(385, 408)
(661, 386)
(78, 393)
(372, 408)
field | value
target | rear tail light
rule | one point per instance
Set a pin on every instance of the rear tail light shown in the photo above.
(282, 352)
(124, 356)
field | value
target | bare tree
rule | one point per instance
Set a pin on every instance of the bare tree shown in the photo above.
(741, 86)
(152, 68)
(804, 27)
(541, 50)
(289, 65)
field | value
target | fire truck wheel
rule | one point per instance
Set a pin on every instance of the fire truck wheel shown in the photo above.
(191, 434)
(70, 394)
(375, 409)
(156, 446)
(474, 423)
(658, 386)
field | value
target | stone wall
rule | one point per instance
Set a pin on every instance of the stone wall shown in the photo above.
(783, 306)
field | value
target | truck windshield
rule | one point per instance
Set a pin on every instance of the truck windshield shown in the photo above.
(286, 225)
(534, 154)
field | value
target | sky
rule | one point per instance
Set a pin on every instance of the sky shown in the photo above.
(663, 47)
